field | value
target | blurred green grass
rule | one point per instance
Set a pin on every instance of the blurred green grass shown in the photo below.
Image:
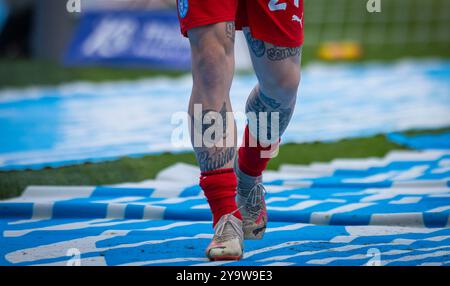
(136, 169)
(26, 72)
(413, 132)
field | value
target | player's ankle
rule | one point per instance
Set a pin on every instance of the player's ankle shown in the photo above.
(219, 187)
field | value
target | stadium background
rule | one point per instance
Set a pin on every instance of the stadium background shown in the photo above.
(380, 79)
(36, 35)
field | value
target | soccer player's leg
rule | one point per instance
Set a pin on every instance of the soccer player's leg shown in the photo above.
(212, 48)
(269, 109)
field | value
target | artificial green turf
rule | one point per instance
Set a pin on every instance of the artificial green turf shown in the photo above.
(376, 146)
(24, 72)
(413, 132)
(128, 169)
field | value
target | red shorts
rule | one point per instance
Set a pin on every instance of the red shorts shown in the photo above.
(279, 22)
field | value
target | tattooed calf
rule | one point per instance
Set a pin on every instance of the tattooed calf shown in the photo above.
(204, 119)
(216, 158)
(259, 104)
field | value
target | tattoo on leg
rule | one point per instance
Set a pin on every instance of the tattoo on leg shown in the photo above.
(257, 46)
(269, 101)
(215, 159)
(260, 102)
(223, 114)
(279, 53)
(230, 30)
(285, 118)
(274, 54)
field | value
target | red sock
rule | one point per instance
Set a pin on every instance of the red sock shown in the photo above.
(250, 159)
(219, 187)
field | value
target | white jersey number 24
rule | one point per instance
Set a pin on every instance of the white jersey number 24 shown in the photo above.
(274, 5)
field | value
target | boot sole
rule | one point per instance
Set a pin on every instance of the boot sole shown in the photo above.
(225, 258)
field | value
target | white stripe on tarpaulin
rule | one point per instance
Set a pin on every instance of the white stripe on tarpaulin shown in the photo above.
(339, 211)
(355, 232)
(384, 254)
(89, 261)
(43, 198)
(406, 200)
(160, 261)
(400, 219)
(36, 192)
(325, 217)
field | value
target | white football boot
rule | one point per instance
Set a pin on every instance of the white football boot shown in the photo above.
(227, 243)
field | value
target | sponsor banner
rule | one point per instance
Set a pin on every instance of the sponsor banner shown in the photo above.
(3, 14)
(130, 38)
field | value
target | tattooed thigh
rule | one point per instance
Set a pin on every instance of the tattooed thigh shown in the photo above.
(280, 53)
(230, 30)
(274, 53)
(257, 47)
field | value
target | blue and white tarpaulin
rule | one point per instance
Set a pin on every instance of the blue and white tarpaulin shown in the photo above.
(422, 141)
(79, 122)
(134, 38)
(389, 211)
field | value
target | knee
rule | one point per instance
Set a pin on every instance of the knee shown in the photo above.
(212, 64)
(283, 83)
(210, 68)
